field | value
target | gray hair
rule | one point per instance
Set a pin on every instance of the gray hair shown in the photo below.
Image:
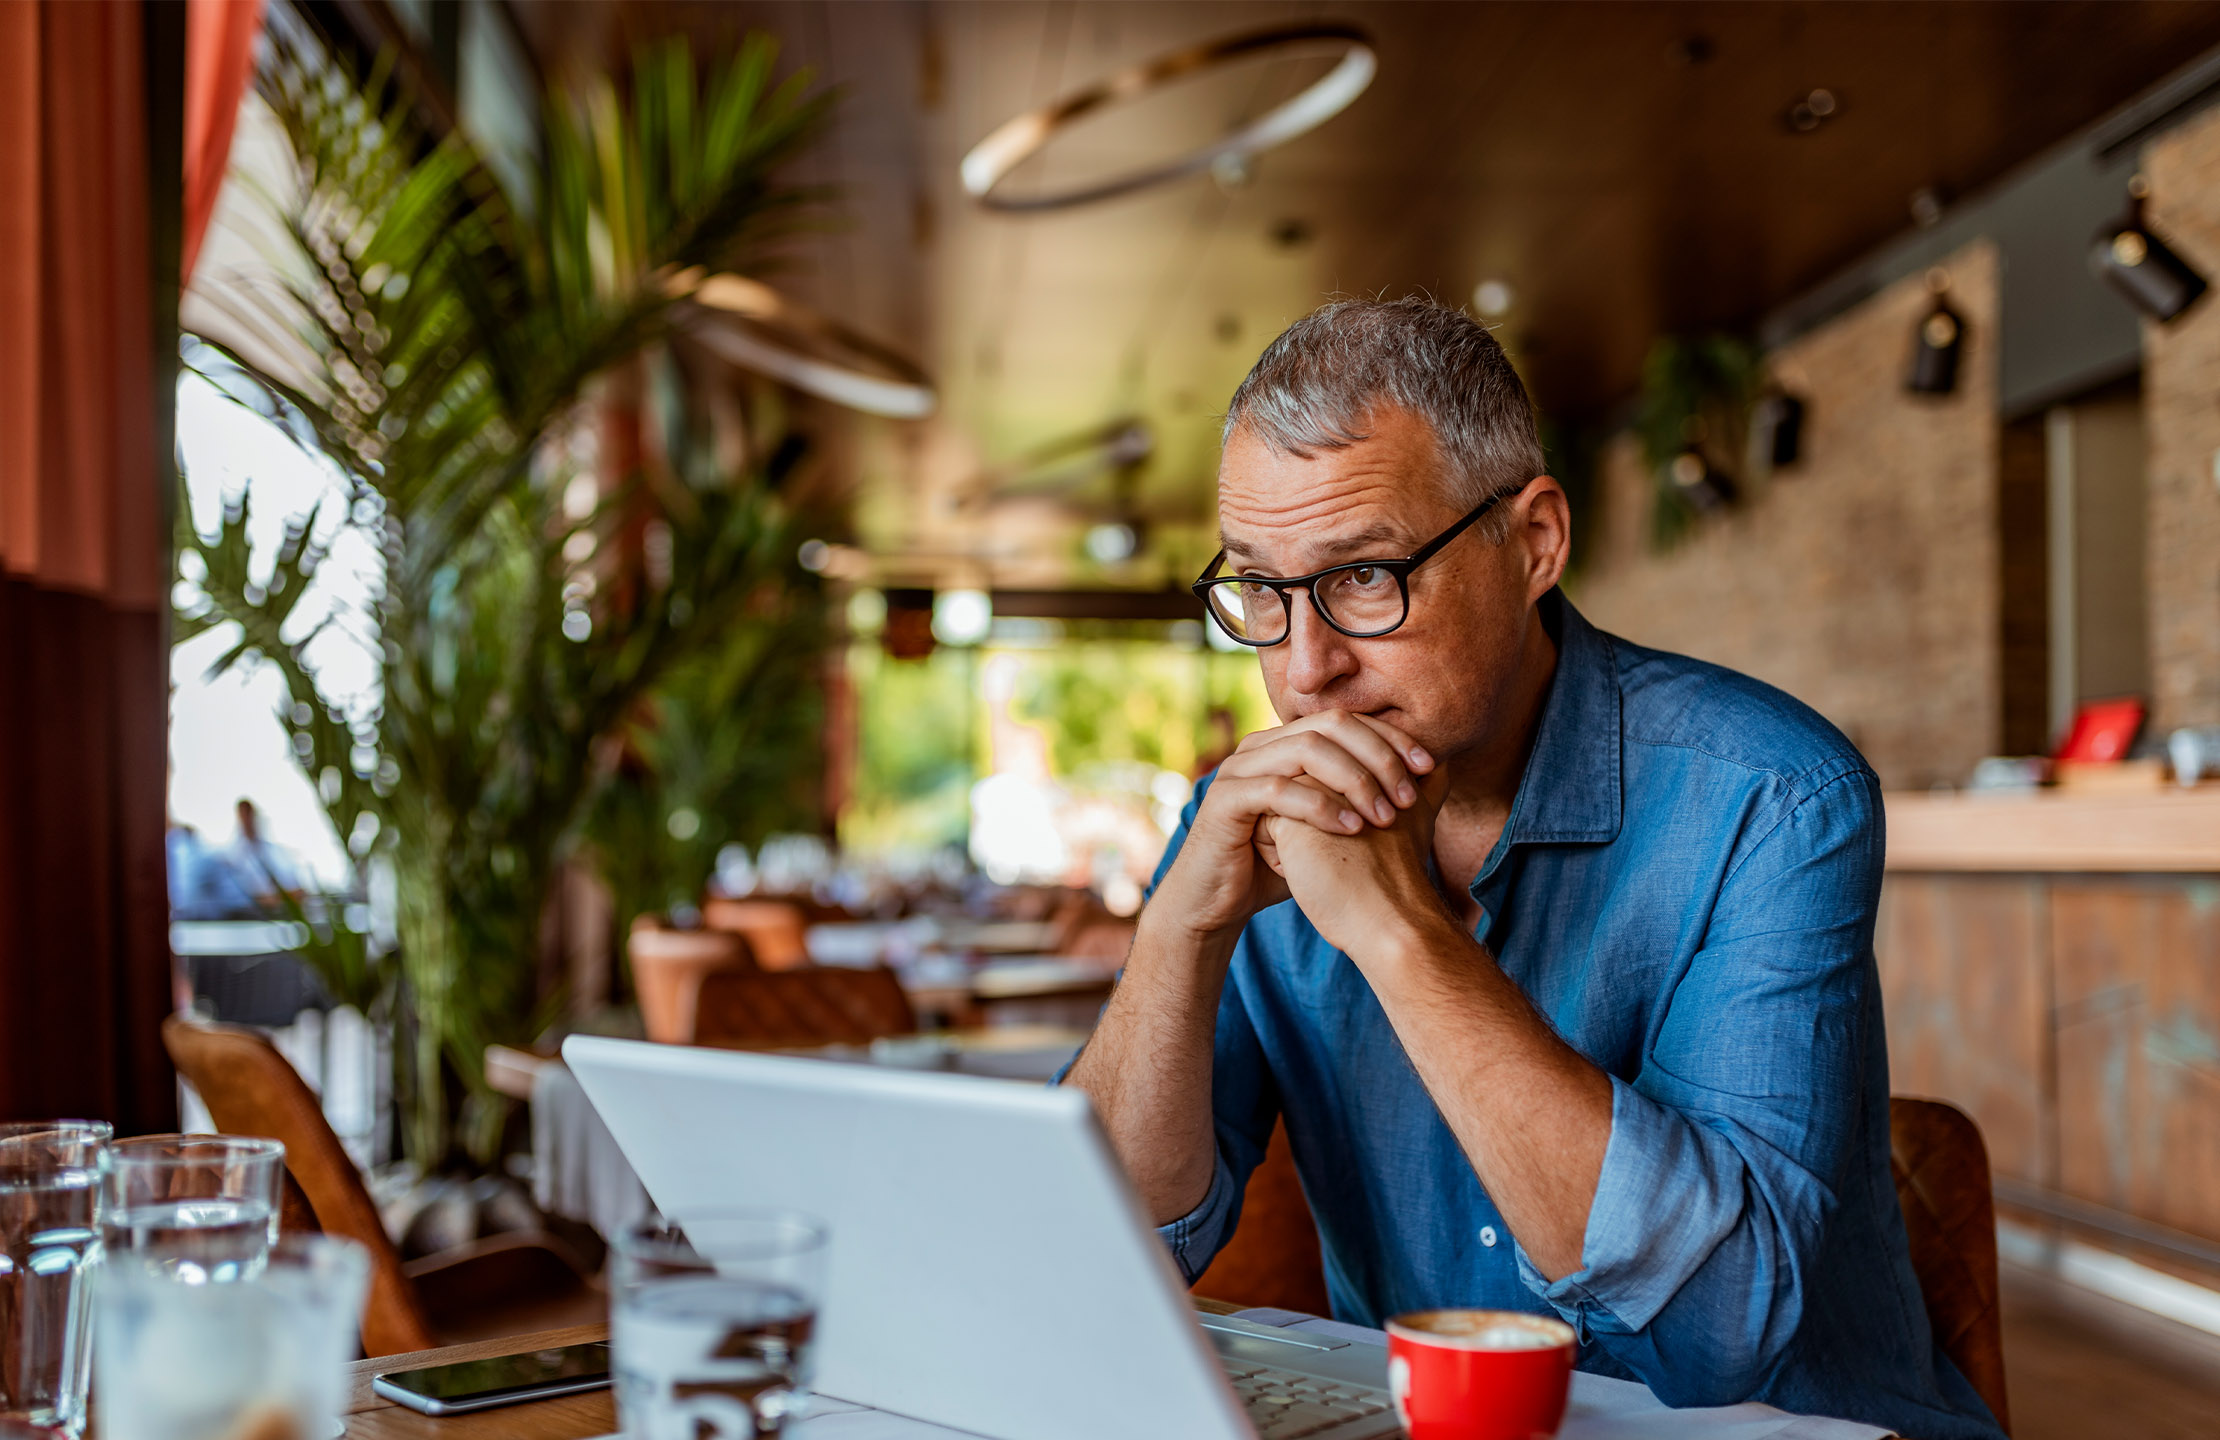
(1317, 386)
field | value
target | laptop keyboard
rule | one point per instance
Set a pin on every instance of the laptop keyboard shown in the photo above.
(1285, 1405)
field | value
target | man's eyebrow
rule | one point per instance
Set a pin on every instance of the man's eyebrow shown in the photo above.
(1380, 532)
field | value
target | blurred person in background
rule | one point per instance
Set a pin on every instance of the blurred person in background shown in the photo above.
(1575, 1010)
(250, 877)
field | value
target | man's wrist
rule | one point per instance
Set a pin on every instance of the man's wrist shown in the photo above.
(1162, 930)
(1403, 937)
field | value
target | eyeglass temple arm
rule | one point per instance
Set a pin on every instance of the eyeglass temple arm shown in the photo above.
(1428, 550)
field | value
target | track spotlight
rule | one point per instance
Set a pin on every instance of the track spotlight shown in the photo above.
(907, 630)
(1699, 482)
(1937, 343)
(1777, 430)
(2141, 267)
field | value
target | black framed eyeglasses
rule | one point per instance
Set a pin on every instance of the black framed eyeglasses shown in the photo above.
(1363, 599)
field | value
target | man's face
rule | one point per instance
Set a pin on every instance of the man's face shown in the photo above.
(1442, 676)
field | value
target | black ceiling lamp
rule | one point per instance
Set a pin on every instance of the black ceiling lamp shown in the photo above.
(1938, 342)
(1699, 482)
(1777, 430)
(2142, 268)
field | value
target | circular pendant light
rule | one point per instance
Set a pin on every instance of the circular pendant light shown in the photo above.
(1015, 141)
(748, 324)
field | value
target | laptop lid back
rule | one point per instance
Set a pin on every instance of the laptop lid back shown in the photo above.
(989, 1269)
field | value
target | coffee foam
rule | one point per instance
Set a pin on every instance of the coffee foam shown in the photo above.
(1484, 1329)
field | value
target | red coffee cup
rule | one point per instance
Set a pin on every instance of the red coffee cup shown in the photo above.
(1479, 1374)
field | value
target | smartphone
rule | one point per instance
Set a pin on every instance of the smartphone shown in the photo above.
(500, 1380)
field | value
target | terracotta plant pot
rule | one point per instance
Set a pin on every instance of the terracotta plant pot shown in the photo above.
(667, 970)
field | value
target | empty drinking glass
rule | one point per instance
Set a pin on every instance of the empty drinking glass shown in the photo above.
(712, 1323)
(186, 1355)
(50, 1176)
(204, 1206)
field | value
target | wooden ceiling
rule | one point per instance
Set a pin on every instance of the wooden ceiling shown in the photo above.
(1628, 169)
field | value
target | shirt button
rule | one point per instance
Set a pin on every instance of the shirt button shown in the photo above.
(1487, 1236)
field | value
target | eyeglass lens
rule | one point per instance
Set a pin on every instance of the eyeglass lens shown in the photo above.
(1359, 599)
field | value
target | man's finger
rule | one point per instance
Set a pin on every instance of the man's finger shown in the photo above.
(1250, 798)
(1414, 754)
(1325, 759)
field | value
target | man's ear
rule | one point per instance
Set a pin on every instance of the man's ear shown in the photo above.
(1545, 528)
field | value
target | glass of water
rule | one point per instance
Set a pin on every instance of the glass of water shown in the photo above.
(203, 1206)
(50, 1177)
(712, 1324)
(263, 1356)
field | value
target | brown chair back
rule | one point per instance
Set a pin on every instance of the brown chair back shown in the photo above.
(668, 967)
(1273, 1256)
(774, 929)
(819, 1005)
(250, 1089)
(1941, 1168)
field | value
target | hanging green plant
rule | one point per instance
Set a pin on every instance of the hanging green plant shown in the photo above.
(1694, 425)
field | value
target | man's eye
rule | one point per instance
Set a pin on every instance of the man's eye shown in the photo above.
(1365, 577)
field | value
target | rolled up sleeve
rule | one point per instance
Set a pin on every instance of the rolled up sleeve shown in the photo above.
(1663, 1203)
(1197, 1236)
(1728, 1147)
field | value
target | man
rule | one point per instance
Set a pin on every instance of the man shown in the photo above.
(1575, 1007)
(261, 870)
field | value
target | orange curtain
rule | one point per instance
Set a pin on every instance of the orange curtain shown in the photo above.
(84, 956)
(219, 56)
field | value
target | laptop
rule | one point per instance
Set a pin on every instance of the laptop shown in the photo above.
(990, 1269)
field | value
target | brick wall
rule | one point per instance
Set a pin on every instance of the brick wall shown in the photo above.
(2181, 396)
(1865, 580)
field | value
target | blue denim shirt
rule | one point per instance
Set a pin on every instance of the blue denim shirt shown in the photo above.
(1685, 889)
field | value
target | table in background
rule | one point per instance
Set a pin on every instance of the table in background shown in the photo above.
(580, 1171)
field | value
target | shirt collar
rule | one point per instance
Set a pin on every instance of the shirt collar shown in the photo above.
(1570, 793)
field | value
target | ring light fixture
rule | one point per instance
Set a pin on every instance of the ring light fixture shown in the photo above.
(1015, 141)
(788, 341)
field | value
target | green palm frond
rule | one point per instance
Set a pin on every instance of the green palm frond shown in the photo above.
(449, 341)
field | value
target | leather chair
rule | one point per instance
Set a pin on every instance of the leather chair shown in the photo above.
(501, 1285)
(815, 1005)
(1936, 1156)
(1941, 1169)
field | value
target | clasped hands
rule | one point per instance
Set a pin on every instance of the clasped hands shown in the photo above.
(1335, 810)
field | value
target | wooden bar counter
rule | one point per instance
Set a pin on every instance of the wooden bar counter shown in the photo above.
(2051, 964)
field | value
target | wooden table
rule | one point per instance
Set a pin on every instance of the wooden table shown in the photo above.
(371, 1416)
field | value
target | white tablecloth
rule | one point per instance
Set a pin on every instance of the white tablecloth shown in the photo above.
(577, 1170)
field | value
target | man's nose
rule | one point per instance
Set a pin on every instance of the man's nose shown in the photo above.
(1317, 654)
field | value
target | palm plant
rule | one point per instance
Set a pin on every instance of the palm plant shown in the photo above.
(448, 346)
(702, 767)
